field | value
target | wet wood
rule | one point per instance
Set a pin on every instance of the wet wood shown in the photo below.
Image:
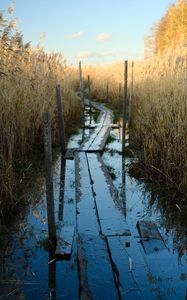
(132, 273)
(96, 276)
(87, 221)
(111, 217)
(64, 242)
(151, 238)
(97, 140)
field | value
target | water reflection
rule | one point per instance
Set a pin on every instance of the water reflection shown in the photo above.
(52, 275)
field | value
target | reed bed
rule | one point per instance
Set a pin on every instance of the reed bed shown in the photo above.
(159, 129)
(28, 80)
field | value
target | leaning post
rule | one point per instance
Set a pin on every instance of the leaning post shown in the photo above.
(49, 177)
(60, 110)
(124, 104)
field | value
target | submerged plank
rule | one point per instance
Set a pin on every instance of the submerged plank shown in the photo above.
(132, 273)
(95, 271)
(87, 221)
(111, 216)
(151, 238)
(65, 241)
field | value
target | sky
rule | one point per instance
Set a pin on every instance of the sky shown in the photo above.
(94, 31)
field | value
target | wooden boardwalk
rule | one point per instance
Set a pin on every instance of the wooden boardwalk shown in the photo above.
(110, 261)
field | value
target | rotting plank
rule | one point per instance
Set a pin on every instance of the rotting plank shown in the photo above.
(132, 274)
(151, 238)
(95, 271)
(87, 221)
(111, 217)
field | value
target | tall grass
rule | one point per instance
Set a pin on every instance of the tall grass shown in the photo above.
(28, 77)
(159, 128)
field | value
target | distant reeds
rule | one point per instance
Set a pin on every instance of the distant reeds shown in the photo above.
(159, 130)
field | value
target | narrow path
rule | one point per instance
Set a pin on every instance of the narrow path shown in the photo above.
(103, 237)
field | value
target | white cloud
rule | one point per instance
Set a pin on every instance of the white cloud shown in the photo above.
(92, 54)
(104, 36)
(76, 35)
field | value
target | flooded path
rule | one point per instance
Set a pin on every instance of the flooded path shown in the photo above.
(124, 247)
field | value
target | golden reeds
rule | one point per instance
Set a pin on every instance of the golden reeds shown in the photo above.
(159, 111)
(28, 78)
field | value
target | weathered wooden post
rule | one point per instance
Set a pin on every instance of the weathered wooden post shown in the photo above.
(60, 110)
(62, 188)
(49, 177)
(131, 96)
(124, 104)
(89, 92)
(119, 102)
(82, 93)
(107, 92)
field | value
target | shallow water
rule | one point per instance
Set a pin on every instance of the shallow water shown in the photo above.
(24, 270)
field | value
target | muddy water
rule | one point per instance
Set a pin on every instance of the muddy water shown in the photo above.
(27, 270)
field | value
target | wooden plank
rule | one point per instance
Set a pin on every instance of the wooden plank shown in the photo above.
(69, 209)
(132, 273)
(95, 271)
(111, 216)
(65, 238)
(98, 138)
(151, 238)
(87, 221)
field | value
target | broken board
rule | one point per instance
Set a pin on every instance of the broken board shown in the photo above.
(64, 242)
(151, 238)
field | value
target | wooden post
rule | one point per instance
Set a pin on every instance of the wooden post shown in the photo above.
(82, 93)
(124, 104)
(62, 188)
(131, 92)
(89, 93)
(49, 176)
(60, 110)
(119, 101)
(107, 91)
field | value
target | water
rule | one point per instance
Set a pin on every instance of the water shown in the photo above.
(26, 271)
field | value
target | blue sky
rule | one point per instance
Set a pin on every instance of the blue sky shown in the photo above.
(95, 31)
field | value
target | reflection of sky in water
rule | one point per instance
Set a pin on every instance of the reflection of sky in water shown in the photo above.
(25, 263)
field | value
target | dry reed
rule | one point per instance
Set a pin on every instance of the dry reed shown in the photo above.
(28, 79)
(159, 111)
